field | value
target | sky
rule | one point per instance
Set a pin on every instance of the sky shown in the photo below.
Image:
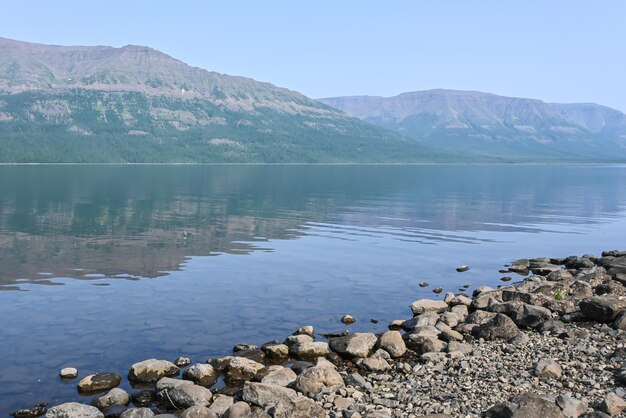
(556, 50)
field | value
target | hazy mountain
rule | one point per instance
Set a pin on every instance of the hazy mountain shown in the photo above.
(488, 124)
(105, 104)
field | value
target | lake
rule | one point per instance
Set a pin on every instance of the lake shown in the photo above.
(103, 266)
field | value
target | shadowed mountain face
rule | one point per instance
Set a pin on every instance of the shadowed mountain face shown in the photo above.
(136, 104)
(488, 124)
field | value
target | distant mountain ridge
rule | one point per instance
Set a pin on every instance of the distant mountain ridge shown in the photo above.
(137, 104)
(489, 124)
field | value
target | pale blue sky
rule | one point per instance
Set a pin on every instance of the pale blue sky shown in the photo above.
(555, 50)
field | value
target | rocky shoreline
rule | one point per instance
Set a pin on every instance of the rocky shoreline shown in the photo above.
(552, 345)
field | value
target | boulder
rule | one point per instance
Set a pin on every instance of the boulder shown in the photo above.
(423, 343)
(74, 410)
(238, 369)
(201, 374)
(198, 412)
(373, 364)
(602, 309)
(275, 352)
(309, 350)
(169, 383)
(152, 370)
(613, 404)
(571, 407)
(185, 396)
(137, 413)
(115, 396)
(314, 379)
(238, 410)
(548, 369)
(221, 403)
(280, 376)
(281, 402)
(428, 305)
(500, 327)
(298, 339)
(356, 345)
(527, 405)
(305, 330)
(99, 381)
(523, 314)
(392, 342)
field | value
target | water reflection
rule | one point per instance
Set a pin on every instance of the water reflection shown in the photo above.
(143, 221)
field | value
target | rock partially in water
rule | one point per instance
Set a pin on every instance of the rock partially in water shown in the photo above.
(143, 398)
(309, 350)
(68, 373)
(100, 381)
(348, 319)
(115, 396)
(36, 411)
(181, 362)
(423, 284)
(462, 268)
(152, 370)
(74, 410)
(422, 306)
(275, 352)
(305, 330)
(201, 374)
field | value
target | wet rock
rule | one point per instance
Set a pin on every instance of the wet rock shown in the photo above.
(68, 373)
(428, 305)
(254, 354)
(114, 411)
(437, 290)
(548, 369)
(168, 383)
(525, 406)
(348, 319)
(238, 369)
(613, 404)
(115, 396)
(152, 370)
(143, 398)
(182, 362)
(198, 412)
(392, 342)
(602, 309)
(396, 324)
(36, 411)
(356, 345)
(98, 382)
(423, 284)
(185, 396)
(309, 350)
(201, 374)
(499, 327)
(238, 410)
(462, 268)
(244, 347)
(137, 413)
(74, 410)
(314, 379)
(305, 330)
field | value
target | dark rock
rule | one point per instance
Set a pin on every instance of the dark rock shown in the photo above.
(36, 411)
(185, 396)
(114, 411)
(462, 268)
(602, 309)
(252, 354)
(243, 347)
(499, 327)
(143, 398)
(523, 314)
(100, 381)
(525, 406)
(348, 319)
(423, 284)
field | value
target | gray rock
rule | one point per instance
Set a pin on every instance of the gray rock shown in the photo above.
(169, 383)
(221, 403)
(74, 410)
(185, 396)
(238, 369)
(523, 314)
(428, 305)
(198, 412)
(275, 352)
(373, 364)
(357, 345)
(305, 330)
(479, 317)
(201, 374)
(499, 327)
(281, 402)
(137, 413)
(238, 410)
(99, 381)
(602, 308)
(527, 405)
(114, 411)
(548, 369)
(314, 379)
(152, 370)
(571, 407)
(620, 321)
(280, 376)
(423, 343)
(298, 339)
(115, 396)
(613, 404)
(392, 342)
(68, 373)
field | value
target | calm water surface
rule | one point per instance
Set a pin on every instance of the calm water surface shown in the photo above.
(102, 266)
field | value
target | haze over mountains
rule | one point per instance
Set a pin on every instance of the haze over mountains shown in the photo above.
(136, 104)
(487, 124)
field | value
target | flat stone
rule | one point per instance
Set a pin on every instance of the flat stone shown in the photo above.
(74, 410)
(99, 381)
(152, 370)
(170, 383)
(428, 305)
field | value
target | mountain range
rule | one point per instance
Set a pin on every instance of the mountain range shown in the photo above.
(490, 125)
(135, 104)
